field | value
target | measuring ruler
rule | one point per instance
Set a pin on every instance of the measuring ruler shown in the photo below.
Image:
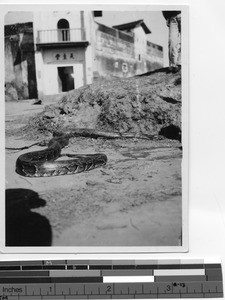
(109, 279)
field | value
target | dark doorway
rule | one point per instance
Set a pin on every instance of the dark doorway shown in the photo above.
(66, 82)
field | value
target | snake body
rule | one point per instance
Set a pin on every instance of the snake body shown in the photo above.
(44, 163)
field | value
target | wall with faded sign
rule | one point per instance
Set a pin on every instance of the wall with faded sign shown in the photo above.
(113, 56)
(62, 56)
(48, 73)
(70, 61)
(155, 54)
(123, 55)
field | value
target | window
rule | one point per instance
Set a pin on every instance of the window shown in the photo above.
(63, 30)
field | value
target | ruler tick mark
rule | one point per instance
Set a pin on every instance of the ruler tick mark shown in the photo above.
(88, 289)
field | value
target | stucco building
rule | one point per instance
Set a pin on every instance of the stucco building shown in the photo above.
(64, 46)
(71, 49)
(124, 50)
(20, 72)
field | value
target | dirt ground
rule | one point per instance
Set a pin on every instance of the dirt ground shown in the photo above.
(135, 200)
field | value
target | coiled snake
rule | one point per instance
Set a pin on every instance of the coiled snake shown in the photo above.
(44, 162)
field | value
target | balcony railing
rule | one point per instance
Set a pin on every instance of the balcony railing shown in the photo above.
(61, 35)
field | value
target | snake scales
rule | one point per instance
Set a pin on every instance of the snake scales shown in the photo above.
(44, 162)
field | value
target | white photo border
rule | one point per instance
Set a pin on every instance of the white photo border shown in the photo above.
(185, 131)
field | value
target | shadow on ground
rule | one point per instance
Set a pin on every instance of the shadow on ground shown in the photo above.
(24, 227)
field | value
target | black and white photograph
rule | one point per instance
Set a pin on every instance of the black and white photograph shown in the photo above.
(96, 128)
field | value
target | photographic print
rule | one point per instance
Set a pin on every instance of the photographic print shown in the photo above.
(96, 114)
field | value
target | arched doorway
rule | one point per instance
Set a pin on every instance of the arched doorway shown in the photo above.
(63, 30)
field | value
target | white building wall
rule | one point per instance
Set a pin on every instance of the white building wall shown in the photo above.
(78, 69)
(51, 86)
(140, 46)
(47, 65)
(139, 40)
(89, 25)
(47, 20)
(52, 59)
(39, 73)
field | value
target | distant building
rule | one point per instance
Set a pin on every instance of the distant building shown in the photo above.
(64, 50)
(124, 51)
(20, 72)
(61, 51)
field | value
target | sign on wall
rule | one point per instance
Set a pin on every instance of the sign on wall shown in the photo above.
(64, 56)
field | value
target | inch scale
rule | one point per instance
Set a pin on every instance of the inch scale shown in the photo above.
(110, 279)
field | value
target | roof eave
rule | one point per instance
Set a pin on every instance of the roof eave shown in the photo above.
(145, 28)
(136, 24)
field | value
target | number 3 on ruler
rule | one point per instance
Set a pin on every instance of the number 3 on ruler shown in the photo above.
(168, 288)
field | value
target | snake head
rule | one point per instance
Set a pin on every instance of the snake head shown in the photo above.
(62, 141)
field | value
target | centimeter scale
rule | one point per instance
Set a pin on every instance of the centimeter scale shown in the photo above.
(110, 279)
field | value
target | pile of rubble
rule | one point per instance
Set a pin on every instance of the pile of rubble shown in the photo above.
(147, 104)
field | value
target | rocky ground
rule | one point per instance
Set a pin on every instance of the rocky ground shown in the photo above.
(135, 200)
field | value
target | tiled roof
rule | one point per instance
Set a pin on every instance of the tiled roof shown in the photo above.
(132, 25)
